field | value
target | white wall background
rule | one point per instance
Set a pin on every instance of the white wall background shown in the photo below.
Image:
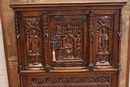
(3, 71)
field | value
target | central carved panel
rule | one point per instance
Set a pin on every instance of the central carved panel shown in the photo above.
(67, 39)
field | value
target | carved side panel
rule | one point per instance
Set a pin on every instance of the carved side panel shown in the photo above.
(67, 39)
(104, 36)
(33, 41)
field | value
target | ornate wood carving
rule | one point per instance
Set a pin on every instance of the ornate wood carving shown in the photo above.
(120, 28)
(73, 17)
(91, 26)
(71, 42)
(120, 35)
(104, 39)
(18, 42)
(16, 25)
(67, 38)
(45, 23)
(69, 45)
(33, 39)
(88, 80)
(75, 86)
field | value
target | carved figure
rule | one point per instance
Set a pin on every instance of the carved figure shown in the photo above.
(34, 40)
(69, 50)
(103, 41)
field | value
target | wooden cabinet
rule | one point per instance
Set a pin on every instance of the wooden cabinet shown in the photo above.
(68, 44)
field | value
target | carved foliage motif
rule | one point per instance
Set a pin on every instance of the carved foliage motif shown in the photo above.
(33, 38)
(104, 30)
(72, 80)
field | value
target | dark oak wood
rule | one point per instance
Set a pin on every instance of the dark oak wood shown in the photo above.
(68, 44)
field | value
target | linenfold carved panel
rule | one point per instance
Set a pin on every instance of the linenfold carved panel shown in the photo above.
(67, 38)
(104, 32)
(100, 81)
(33, 41)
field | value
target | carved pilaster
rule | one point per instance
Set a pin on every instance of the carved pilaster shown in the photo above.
(91, 27)
(45, 23)
(16, 25)
(120, 28)
(45, 37)
(120, 35)
(91, 38)
(18, 42)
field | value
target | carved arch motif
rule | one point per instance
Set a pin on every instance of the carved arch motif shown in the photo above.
(104, 30)
(33, 40)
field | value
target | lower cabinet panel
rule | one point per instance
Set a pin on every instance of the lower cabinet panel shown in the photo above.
(68, 80)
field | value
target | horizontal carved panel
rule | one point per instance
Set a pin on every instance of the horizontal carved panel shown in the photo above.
(86, 81)
(75, 86)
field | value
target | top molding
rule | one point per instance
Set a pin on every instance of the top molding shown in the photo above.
(70, 3)
(76, 1)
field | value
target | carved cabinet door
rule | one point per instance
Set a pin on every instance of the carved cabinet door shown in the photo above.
(68, 35)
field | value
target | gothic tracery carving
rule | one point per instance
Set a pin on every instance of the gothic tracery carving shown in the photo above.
(70, 37)
(33, 37)
(104, 32)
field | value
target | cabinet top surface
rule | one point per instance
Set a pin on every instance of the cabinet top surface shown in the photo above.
(73, 1)
(78, 1)
(53, 3)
